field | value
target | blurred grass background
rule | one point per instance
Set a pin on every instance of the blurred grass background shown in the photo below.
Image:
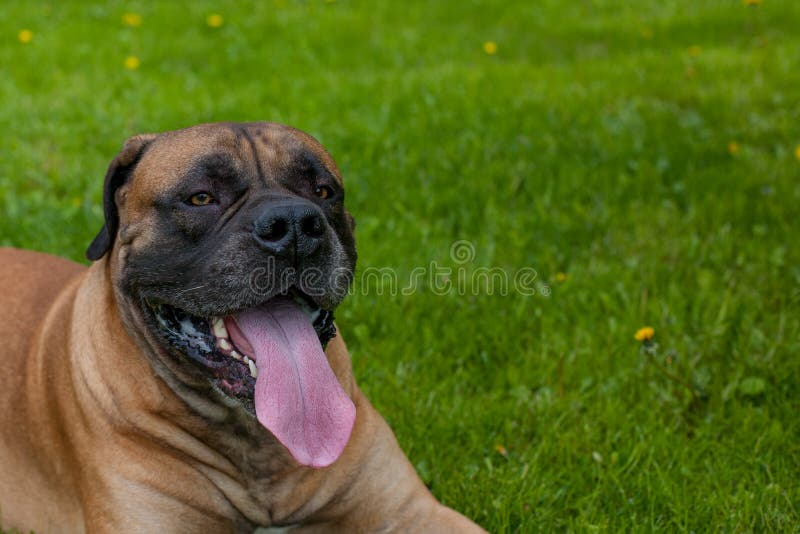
(642, 156)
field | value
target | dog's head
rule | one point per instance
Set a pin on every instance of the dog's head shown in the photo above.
(229, 246)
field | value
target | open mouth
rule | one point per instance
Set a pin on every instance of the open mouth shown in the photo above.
(271, 360)
(207, 341)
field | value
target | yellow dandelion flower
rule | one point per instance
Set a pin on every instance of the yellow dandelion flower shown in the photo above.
(490, 47)
(132, 62)
(25, 36)
(694, 50)
(561, 277)
(797, 152)
(733, 148)
(751, 2)
(215, 20)
(132, 20)
(644, 334)
(646, 33)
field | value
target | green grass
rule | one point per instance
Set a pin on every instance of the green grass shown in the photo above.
(593, 143)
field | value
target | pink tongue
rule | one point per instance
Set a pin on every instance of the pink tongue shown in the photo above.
(297, 397)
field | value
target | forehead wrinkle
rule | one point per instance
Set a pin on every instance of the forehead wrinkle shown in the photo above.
(217, 163)
(254, 153)
(166, 162)
(306, 162)
(269, 150)
(286, 149)
(274, 149)
(315, 147)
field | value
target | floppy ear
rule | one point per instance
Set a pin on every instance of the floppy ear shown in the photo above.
(116, 175)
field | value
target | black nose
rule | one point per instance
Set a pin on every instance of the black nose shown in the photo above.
(286, 228)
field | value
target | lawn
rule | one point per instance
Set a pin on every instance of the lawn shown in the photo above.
(643, 157)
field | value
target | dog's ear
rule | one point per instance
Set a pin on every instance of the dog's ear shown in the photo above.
(117, 174)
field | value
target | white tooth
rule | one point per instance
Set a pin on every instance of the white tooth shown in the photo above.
(219, 328)
(253, 369)
(236, 355)
(224, 344)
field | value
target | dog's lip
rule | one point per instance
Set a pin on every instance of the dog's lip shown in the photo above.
(234, 377)
(206, 340)
(153, 302)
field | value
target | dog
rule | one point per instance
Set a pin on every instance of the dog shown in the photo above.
(191, 379)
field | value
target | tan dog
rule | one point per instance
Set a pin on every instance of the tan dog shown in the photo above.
(179, 384)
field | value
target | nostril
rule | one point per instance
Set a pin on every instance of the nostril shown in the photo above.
(275, 230)
(312, 225)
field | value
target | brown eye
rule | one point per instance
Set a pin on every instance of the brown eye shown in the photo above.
(323, 192)
(201, 199)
